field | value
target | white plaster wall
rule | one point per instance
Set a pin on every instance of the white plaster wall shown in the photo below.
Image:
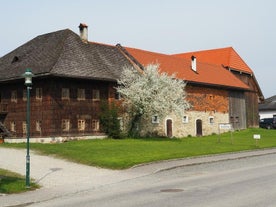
(267, 114)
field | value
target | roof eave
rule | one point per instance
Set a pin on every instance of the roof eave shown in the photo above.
(59, 75)
(217, 85)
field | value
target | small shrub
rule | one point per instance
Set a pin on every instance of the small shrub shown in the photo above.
(109, 120)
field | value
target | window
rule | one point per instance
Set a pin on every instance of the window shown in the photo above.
(81, 124)
(24, 127)
(81, 94)
(185, 119)
(117, 96)
(234, 119)
(96, 94)
(24, 95)
(38, 126)
(211, 120)
(95, 125)
(155, 119)
(211, 97)
(13, 126)
(65, 124)
(14, 96)
(38, 93)
(65, 93)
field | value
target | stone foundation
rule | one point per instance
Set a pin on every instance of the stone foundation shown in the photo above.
(51, 139)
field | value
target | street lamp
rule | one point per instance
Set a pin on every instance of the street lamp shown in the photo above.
(28, 82)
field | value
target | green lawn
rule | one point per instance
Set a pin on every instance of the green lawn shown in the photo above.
(124, 153)
(11, 182)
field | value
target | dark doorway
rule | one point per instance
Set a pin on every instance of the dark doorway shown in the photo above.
(199, 127)
(2, 117)
(169, 128)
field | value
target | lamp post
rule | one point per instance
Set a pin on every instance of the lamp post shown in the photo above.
(28, 82)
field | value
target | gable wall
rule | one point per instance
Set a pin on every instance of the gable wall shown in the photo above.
(207, 99)
(251, 98)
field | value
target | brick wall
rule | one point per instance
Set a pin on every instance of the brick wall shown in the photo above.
(207, 99)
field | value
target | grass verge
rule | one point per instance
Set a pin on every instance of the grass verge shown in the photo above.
(11, 182)
(125, 153)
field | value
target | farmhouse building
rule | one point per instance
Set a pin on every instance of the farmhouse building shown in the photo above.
(222, 91)
(73, 76)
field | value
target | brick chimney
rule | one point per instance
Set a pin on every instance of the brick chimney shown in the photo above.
(83, 32)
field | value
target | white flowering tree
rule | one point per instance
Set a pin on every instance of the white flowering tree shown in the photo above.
(149, 92)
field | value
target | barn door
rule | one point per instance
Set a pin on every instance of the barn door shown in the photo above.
(169, 128)
(199, 127)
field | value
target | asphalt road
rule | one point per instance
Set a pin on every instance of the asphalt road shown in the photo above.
(245, 182)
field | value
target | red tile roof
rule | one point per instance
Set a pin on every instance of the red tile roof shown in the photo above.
(206, 73)
(222, 56)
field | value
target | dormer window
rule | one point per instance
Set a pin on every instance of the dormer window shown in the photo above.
(193, 63)
(15, 59)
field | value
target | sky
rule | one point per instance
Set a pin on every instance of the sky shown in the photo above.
(164, 26)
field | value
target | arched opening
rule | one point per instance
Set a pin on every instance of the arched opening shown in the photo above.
(198, 127)
(169, 128)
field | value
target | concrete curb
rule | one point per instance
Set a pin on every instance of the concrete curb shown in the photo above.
(160, 166)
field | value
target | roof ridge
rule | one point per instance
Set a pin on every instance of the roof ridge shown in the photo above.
(100, 43)
(206, 50)
(67, 32)
(130, 57)
(158, 53)
(234, 51)
(142, 50)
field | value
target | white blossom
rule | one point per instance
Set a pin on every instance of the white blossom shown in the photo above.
(151, 92)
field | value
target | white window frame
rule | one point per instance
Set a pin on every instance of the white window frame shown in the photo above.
(38, 124)
(118, 96)
(81, 94)
(155, 119)
(14, 96)
(96, 94)
(65, 93)
(211, 120)
(65, 125)
(81, 124)
(13, 126)
(185, 119)
(38, 93)
(24, 127)
(24, 95)
(95, 124)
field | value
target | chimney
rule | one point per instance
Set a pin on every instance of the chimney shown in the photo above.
(83, 32)
(193, 63)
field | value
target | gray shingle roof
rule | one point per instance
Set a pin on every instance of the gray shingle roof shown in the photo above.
(269, 104)
(62, 53)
